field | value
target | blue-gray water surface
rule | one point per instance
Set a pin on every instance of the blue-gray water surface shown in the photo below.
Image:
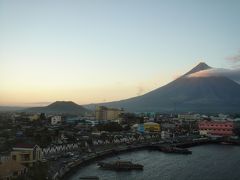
(208, 162)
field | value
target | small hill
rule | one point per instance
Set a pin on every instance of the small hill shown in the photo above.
(59, 107)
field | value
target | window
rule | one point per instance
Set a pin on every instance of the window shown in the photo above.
(25, 157)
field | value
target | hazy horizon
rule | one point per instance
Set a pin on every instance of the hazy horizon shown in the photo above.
(101, 51)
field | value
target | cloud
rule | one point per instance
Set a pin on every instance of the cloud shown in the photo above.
(140, 90)
(235, 58)
(233, 74)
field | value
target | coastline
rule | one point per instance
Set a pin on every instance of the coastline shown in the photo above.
(72, 167)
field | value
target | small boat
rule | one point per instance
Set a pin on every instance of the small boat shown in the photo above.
(90, 178)
(120, 165)
(226, 143)
(175, 150)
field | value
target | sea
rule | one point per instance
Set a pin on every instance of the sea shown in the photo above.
(207, 162)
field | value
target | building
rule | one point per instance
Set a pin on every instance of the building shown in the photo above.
(56, 120)
(4, 156)
(11, 169)
(220, 128)
(166, 135)
(151, 127)
(189, 117)
(146, 127)
(26, 154)
(105, 113)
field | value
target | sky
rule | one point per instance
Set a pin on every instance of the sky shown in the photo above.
(91, 51)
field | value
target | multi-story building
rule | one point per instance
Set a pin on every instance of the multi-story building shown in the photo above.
(26, 154)
(221, 128)
(105, 113)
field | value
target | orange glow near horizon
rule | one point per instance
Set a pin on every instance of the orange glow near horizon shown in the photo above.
(43, 94)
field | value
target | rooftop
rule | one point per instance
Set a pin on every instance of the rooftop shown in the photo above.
(22, 145)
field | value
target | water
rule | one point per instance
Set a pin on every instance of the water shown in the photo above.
(208, 162)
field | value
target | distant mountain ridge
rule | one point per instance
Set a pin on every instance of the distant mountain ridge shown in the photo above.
(60, 107)
(187, 94)
(10, 108)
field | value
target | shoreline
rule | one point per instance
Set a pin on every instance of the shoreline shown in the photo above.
(72, 167)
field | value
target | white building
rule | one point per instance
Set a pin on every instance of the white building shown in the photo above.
(56, 120)
(165, 135)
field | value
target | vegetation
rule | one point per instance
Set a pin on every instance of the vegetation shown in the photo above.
(110, 127)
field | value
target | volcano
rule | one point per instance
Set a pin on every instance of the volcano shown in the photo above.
(213, 94)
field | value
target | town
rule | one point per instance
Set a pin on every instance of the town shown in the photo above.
(51, 145)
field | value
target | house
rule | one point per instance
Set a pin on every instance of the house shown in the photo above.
(26, 154)
(11, 169)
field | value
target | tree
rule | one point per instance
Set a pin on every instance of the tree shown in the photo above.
(110, 127)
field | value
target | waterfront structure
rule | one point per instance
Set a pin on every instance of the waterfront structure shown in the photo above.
(26, 154)
(105, 113)
(220, 128)
(11, 169)
(56, 120)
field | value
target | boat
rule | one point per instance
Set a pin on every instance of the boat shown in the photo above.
(226, 143)
(90, 178)
(175, 150)
(120, 165)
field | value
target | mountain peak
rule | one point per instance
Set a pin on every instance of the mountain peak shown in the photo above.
(62, 103)
(200, 67)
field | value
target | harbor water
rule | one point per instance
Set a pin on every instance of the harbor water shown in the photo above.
(207, 162)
